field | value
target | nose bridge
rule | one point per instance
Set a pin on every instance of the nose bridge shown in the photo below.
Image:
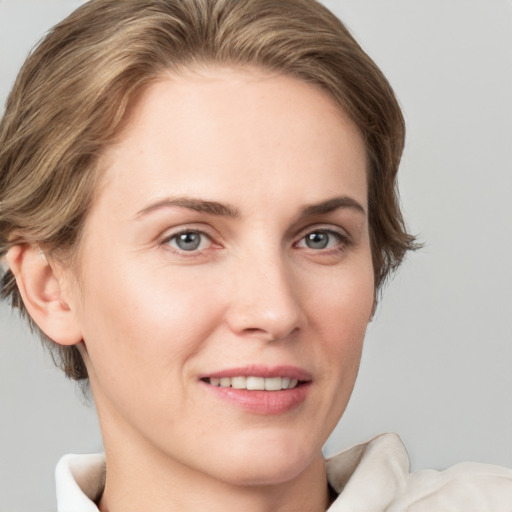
(265, 301)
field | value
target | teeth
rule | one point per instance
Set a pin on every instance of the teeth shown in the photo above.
(239, 382)
(255, 383)
(273, 384)
(225, 382)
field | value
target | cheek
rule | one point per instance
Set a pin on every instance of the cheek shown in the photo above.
(340, 312)
(143, 318)
(339, 315)
(343, 302)
(343, 330)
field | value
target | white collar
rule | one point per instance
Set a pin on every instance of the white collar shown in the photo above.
(370, 477)
(383, 462)
(80, 480)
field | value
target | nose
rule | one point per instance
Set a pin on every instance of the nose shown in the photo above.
(265, 301)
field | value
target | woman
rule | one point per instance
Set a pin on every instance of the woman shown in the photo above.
(198, 208)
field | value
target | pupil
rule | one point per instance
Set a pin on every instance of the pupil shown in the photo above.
(188, 241)
(317, 240)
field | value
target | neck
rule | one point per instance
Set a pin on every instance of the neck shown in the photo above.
(147, 480)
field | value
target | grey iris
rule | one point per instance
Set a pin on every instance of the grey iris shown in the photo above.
(188, 241)
(317, 240)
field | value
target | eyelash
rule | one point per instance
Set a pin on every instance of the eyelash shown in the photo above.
(343, 241)
(183, 252)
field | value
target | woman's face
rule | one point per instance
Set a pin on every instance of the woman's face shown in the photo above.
(227, 250)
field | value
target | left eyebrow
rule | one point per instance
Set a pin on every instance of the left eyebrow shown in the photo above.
(331, 205)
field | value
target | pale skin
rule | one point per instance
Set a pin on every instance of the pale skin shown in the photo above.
(230, 230)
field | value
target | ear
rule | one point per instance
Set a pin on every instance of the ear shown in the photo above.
(43, 291)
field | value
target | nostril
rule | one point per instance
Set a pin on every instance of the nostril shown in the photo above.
(269, 334)
(271, 316)
(254, 330)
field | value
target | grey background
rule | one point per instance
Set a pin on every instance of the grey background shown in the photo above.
(437, 361)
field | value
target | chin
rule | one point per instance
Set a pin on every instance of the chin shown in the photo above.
(269, 463)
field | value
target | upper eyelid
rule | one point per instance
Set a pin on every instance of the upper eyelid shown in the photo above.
(180, 231)
(170, 233)
(324, 230)
(330, 228)
(170, 236)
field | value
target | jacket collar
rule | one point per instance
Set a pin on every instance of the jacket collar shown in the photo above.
(366, 477)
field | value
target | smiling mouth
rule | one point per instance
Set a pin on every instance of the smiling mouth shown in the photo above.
(260, 389)
(253, 383)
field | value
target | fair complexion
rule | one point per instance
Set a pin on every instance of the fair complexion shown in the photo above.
(228, 244)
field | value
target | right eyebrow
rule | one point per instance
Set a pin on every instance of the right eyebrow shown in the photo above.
(198, 205)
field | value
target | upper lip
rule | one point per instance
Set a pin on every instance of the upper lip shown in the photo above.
(292, 372)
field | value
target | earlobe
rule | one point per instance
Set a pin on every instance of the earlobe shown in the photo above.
(43, 294)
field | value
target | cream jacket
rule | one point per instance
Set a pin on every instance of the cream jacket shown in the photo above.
(371, 477)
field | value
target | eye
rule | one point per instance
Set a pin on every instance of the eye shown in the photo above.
(321, 239)
(189, 241)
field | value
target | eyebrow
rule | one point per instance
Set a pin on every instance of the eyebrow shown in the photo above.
(225, 210)
(199, 205)
(331, 205)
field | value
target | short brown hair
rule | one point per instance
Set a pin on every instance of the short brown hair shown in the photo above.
(73, 93)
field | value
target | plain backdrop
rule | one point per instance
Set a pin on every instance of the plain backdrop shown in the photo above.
(437, 362)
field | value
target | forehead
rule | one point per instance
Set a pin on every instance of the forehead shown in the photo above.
(208, 131)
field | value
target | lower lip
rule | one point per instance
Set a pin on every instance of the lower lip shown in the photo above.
(263, 402)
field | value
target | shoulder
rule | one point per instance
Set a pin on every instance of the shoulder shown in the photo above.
(375, 476)
(469, 486)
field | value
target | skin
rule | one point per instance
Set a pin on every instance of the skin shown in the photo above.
(155, 318)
